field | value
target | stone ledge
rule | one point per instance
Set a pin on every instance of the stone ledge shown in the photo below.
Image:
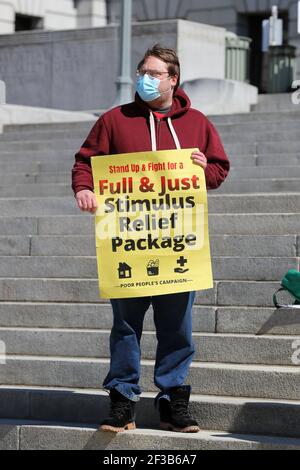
(229, 414)
(42, 436)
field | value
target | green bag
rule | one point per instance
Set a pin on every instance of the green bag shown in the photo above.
(290, 283)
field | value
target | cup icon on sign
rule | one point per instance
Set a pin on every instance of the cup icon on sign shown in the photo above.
(153, 267)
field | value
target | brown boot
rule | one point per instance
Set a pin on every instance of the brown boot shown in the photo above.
(122, 413)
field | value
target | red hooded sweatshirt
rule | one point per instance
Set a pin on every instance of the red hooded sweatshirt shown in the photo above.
(134, 128)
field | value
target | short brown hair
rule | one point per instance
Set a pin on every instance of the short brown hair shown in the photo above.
(168, 56)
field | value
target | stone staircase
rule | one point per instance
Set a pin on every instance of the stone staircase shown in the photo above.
(246, 387)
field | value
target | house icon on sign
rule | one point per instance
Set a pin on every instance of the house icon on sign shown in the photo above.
(124, 270)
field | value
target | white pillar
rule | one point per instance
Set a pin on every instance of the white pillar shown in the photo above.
(91, 13)
(2, 101)
(7, 18)
(2, 92)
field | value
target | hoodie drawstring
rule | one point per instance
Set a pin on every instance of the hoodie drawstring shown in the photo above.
(176, 140)
(153, 134)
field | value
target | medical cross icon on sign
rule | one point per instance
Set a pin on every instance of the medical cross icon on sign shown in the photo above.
(181, 261)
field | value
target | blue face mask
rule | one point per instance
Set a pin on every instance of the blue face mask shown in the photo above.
(148, 87)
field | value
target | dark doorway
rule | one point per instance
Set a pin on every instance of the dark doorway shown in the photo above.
(27, 23)
(250, 25)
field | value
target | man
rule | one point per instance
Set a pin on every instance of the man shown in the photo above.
(160, 118)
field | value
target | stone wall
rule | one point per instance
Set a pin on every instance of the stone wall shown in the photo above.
(77, 70)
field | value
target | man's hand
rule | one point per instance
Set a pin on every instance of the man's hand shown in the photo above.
(199, 158)
(86, 200)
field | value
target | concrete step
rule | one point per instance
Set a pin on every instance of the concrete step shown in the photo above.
(276, 116)
(21, 178)
(255, 381)
(236, 173)
(242, 415)
(258, 321)
(265, 160)
(41, 163)
(22, 168)
(79, 267)
(255, 127)
(272, 122)
(224, 293)
(69, 290)
(265, 135)
(262, 117)
(34, 165)
(228, 203)
(50, 126)
(238, 186)
(206, 319)
(40, 155)
(279, 117)
(37, 163)
(246, 293)
(36, 190)
(252, 269)
(41, 145)
(72, 145)
(250, 186)
(274, 102)
(239, 132)
(261, 148)
(257, 172)
(217, 203)
(44, 134)
(230, 414)
(35, 177)
(210, 347)
(85, 316)
(258, 224)
(28, 435)
(289, 159)
(231, 224)
(221, 245)
(35, 206)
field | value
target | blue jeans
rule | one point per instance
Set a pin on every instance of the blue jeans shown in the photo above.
(175, 347)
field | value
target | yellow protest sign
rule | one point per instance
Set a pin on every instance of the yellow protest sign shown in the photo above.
(151, 224)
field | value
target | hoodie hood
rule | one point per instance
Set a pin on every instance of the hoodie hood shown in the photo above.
(180, 105)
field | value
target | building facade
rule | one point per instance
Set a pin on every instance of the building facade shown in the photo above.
(243, 17)
(22, 15)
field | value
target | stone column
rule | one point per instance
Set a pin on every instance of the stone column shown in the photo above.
(124, 82)
(91, 13)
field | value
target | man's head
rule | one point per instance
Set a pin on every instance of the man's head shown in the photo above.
(166, 55)
(162, 64)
